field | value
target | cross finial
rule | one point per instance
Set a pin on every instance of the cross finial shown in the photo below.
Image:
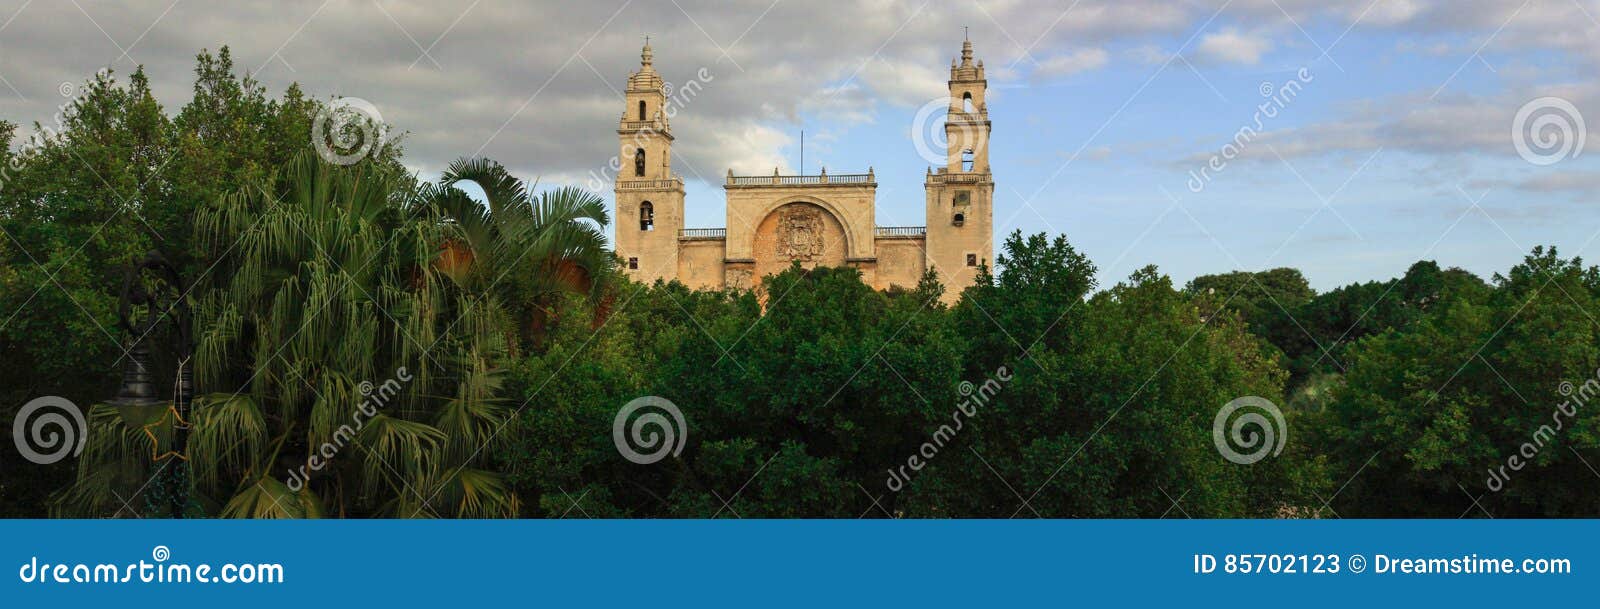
(965, 33)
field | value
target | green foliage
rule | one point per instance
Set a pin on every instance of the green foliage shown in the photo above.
(1037, 393)
(1322, 329)
(1260, 298)
(805, 408)
(1109, 414)
(1442, 408)
(355, 371)
(107, 179)
(805, 391)
(526, 249)
(69, 209)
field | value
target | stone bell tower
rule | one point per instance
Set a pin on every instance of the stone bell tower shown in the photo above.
(649, 197)
(960, 195)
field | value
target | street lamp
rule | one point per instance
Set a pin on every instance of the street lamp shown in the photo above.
(137, 400)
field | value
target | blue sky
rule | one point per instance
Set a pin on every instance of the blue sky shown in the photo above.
(1104, 156)
(1399, 148)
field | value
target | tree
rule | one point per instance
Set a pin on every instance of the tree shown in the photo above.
(523, 249)
(816, 394)
(108, 179)
(70, 210)
(1437, 411)
(344, 370)
(1322, 329)
(1262, 299)
(836, 400)
(1109, 408)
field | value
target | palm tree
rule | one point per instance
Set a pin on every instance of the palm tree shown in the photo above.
(526, 250)
(351, 339)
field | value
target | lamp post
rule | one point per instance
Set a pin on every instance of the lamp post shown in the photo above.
(137, 400)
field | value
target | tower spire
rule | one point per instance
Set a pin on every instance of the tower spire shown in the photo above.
(646, 56)
(966, 51)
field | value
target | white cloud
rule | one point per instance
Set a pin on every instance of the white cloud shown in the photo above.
(1066, 64)
(1232, 46)
(1388, 12)
(1148, 54)
(534, 84)
(1417, 123)
(750, 150)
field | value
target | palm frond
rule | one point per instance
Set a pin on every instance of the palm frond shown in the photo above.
(267, 497)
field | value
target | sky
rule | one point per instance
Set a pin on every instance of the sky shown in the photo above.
(1147, 132)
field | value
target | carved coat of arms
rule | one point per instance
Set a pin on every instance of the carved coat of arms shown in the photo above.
(800, 234)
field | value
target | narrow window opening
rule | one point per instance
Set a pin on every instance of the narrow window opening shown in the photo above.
(966, 102)
(638, 162)
(972, 260)
(641, 109)
(633, 264)
(966, 159)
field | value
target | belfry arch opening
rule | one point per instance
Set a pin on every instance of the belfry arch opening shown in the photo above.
(638, 163)
(647, 216)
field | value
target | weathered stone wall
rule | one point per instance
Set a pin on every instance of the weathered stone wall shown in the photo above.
(700, 263)
(900, 262)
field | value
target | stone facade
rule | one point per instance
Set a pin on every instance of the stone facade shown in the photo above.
(816, 220)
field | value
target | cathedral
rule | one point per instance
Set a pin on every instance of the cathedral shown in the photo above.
(825, 219)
